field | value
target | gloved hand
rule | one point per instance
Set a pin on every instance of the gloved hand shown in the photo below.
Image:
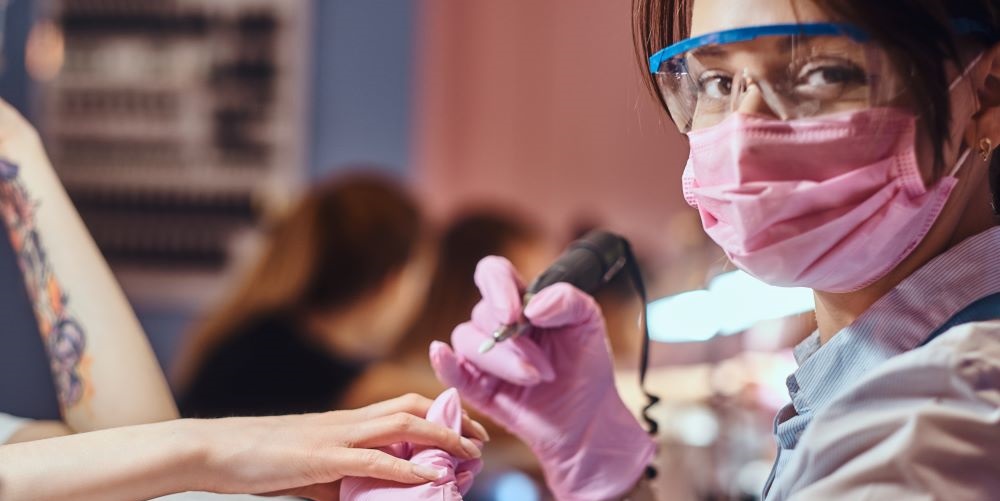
(458, 475)
(554, 388)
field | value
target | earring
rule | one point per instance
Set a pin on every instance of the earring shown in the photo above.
(986, 148)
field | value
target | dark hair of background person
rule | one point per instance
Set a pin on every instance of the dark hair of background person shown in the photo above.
(451, 296)
(343, 240)
(917, 34)
(471, 237)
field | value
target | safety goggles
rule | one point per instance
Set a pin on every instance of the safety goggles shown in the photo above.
(795, 70)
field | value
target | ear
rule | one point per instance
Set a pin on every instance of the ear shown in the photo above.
(985, 124)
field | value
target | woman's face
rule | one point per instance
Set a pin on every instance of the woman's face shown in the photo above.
(710, 16)
(745, 77)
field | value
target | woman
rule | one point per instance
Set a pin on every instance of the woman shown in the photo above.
(342, 276)
(846, 146)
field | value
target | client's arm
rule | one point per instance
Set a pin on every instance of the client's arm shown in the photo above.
(105, 372)
(298, 455)
(37, 430)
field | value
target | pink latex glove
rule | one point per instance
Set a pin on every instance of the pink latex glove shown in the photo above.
(554, 388)
(457, 475)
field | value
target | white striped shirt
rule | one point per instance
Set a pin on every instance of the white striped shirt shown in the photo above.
(878, 414)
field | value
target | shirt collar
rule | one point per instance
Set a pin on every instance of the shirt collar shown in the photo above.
(898, 322)
(807, 348)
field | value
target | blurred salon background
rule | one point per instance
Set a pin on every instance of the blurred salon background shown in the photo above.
(294, 195)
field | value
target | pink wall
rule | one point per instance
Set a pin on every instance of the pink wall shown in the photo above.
(540, 104)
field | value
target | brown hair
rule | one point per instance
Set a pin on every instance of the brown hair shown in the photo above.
(452, 292)
(917, 34)
(341, 241)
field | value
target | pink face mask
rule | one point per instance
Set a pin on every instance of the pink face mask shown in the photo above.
(833, 203)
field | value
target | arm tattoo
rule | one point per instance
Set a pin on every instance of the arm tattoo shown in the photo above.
(63, 336)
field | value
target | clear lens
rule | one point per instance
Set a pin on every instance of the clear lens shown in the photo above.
(787, 76)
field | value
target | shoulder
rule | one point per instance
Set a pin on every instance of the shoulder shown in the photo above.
(980, 340)
(925, 422)
(963, 364)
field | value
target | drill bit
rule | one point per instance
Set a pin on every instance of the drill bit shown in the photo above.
(504, 333)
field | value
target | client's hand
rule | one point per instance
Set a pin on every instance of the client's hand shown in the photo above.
(446, 411)
(554, 388)
(307, 455)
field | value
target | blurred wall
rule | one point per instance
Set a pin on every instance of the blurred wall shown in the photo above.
(360, 112)
(363, 63)
(541, 106)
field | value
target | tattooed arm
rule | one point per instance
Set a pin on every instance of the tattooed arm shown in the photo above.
(102, 364)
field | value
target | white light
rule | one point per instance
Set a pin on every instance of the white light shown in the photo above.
(515, 486)
(752, 476)
(743, 301)
(733, 303)
(685, 317)
(697, 426)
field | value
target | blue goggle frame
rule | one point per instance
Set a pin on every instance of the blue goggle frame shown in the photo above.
(962, 26)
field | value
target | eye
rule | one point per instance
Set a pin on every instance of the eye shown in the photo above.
(715, 85)
(828, 79)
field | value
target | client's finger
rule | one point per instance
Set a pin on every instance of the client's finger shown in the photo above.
(403, 427)
(377, 464)
(418, 405)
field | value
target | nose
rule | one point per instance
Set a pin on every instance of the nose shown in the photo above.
(750, 99)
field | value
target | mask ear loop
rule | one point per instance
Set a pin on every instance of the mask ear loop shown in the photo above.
(964, 157)
(961, 162)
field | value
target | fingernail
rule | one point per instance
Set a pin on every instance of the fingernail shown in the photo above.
(470, 448)
(531, 374)
(481, 431)
(428, 472)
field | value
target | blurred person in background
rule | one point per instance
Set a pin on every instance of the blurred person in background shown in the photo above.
(845, 146)
(452, 293)
(467, 239)
(342, 276)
